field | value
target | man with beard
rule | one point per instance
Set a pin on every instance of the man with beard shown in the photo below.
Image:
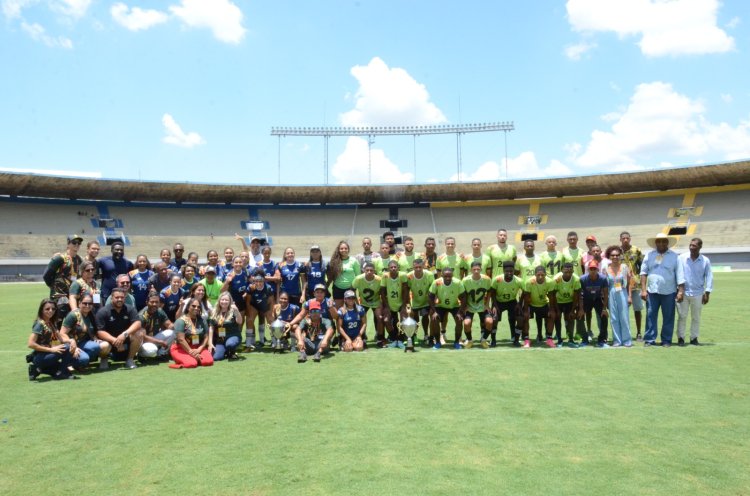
(112, 266)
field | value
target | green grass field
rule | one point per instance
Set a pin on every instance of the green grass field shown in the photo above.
(504, 420)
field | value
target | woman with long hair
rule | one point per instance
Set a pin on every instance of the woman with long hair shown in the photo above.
(620, 282)
(224, 328)
(83, 285)
(50, 356)
(139, 281)
(190, 349)
(79, 333)
(292, 276)
(342, 270)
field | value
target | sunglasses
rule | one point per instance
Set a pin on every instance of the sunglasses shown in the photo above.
(75, 242)
(86, 303)
(88, 270)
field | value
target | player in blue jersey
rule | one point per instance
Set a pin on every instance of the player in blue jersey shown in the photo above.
(352, 323)
(270, 269)
(139, 281)
(292, 276)
(315, 272)
(260, 301)
(285, 312)
(171, 296)
(236, 283)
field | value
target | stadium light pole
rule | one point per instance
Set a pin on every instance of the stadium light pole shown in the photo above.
(370, 142)
(370, 132)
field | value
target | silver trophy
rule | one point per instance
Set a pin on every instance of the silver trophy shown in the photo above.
(278, 331)
(409, 327)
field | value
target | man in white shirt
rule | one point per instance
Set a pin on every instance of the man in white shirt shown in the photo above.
(698, 286)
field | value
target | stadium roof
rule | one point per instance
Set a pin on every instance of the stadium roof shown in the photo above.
(18, 185)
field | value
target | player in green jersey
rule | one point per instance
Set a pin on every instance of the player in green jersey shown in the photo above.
(476, 255)
(567, 296)
(574, 255)
(539, 302)
(446, 298)
(477, 287)
(393, 295)
(419, 282)
(430, 255)
(406, 257)
(381, 264)
(501, 252)
(551, 259)
(368, 289)
(528, 261)
(504, 294)
(450, 258)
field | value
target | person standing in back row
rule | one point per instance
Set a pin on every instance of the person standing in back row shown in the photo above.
(663, 286)
(112, 266)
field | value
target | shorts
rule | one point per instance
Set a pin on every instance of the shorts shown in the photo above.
(239, 303)
(638, 303)
(338, 293)
(262, 309)
(589, 305)
(421, 312)
(539, 311)
(506, 306)
(565, 309)
(442, 312)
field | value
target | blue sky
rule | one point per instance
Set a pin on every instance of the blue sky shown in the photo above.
(188, 90)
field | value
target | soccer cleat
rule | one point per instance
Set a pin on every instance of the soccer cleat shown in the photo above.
(130, 365)
(572, 344)
(583, 344)
(639, 338)
(468, 344)
(493, 343)
(437, 345)
(104, 364)
(442, 338)
(316, 356)
(302, 358)
(526, 343)
(456, 345)
(602, 345)
(550, 343)
(484, 344)
(400, 345)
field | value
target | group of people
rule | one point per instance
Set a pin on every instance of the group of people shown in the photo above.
(109, 308)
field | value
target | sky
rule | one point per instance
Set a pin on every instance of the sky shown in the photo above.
(188, 90)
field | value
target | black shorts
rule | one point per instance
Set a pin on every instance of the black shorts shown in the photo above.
(239, 303)
(565, 309)
(442, 312)
(262, 309)
(338, 293)
(539, 311)
(483, 316)
(421, 312)
(506, 306)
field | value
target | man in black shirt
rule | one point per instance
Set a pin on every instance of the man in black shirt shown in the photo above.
(119, 325)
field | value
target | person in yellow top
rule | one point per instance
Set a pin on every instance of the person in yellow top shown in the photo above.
(381, 264)
(446, 298)
(477, 288)
(501, 252)
(504, 294)
(527, 261)
(551, 259)
(450, 258)
(393, 295)
(476, 255)
(368, 289)
(406, 257)
(567, 296)
(419, 282)
(430, 255)
(539, 302)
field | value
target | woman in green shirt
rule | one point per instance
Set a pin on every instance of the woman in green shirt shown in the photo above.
(342, 269)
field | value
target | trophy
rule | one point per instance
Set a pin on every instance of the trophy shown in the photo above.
(409, 327)
(278, 330)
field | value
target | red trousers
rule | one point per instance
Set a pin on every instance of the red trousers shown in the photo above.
(181, 357)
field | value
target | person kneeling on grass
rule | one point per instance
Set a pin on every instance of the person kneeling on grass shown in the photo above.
(225, 331)
(446, 298)
(314, 333)
(79, 333)
(191, 346)
(352, 323)
(158, 329)
(118, 324)
(50, 356)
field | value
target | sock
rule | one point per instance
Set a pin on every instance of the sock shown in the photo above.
(250, 340)
(262, 332)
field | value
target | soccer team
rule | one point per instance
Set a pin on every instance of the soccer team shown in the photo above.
(110, 308)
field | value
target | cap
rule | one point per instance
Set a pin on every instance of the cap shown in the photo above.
(315, 247)
(313, 305)
(73, 237)
(349, 294)
(209, 268)
(319, 286)
(593, 264)
(255, 238)
(591, 237)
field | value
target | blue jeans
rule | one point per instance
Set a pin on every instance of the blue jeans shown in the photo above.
(667, 305)
(88, 351)
(229, 345)
(52, 363)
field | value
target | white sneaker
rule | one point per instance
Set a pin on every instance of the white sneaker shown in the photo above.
(104, 364)
(130, 364)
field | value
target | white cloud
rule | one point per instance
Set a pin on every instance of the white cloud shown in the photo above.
(136, 19)
(38, 33)
(389, 96)
(222, 17)
(71, 8)
(575, 52)
(614, 86)
(52, 172)
(726, 98)
(176, 136)
(659, 123)
(677, 27)
(12, 8)
(524, 165)
(351, 166)
(734, 22)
